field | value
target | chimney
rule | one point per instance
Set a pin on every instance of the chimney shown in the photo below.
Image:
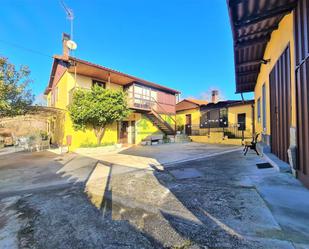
(65, 49)
(214, 96)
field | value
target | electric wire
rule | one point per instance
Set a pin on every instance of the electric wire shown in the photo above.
(25, 48)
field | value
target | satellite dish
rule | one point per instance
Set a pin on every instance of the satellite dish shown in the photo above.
(71, 45)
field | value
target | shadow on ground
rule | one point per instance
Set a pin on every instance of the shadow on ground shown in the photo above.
(213, 202)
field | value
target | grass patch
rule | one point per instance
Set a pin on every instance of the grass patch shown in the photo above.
(92, 145)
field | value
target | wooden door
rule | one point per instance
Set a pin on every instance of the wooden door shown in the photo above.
(280, 106)
(123, 132)
(301, 30)
(241, 121)
(188, 124)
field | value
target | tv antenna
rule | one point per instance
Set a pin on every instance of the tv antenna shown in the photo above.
(70, 43)
(70, 16)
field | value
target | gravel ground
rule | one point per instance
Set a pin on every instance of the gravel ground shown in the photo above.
(142, 208)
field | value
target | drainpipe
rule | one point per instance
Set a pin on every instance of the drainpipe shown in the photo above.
(253, 120)
(242, 98)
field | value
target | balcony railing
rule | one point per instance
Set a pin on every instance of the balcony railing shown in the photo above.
(148, 103)
(164, 111)
(139, 101)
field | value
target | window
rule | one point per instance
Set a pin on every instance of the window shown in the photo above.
(241, 121)
(223, 122)
(259, 110)
(214, 118)
(98, 83)
(264, 106)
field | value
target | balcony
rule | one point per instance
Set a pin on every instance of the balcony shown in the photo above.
(147, 103)
(141, 102)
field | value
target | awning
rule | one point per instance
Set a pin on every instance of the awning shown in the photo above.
(252, 23)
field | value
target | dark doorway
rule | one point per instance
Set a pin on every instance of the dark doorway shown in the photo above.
(241, 121)
(188, 124)
(133, 132)
(280, 105)
(123, 132)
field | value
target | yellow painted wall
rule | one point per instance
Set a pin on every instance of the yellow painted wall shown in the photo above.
(279, 41)
(86, 82)
(145, 128)
(64, 127)
(195, 117)
(233, 112)
(217, 139)
(232, 118)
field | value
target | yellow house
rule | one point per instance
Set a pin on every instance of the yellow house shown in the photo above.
(231, 118)
(153, 105)
(188, 114)
(271, 59)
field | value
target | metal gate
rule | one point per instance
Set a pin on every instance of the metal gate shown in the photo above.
(301, 30)
(280, 106)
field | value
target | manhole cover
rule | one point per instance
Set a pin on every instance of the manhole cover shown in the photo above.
(186, 173)
(263, 165)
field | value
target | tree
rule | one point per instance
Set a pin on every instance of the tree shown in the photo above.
(97, 108)
(15, 97)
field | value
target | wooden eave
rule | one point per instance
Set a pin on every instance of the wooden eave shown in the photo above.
(89, 69)
(252, 24)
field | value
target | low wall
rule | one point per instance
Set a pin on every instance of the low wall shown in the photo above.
(217, 140)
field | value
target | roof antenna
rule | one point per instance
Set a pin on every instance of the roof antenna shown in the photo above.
(70, 43)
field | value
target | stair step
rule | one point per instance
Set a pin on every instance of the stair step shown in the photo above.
(160, 124)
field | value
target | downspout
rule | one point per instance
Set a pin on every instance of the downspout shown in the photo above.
(242, 98)
(242, 132)
(253, 120)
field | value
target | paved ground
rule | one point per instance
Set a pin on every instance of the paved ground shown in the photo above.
(165, 154)
(223, 201)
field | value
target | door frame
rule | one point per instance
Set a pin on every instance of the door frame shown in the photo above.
(302, 90)
(280, 105)
(188, 126)
(123, 139)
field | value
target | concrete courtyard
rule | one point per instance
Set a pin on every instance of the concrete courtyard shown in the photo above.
(166, 196)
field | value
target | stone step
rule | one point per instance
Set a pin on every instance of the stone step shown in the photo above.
(182, 138)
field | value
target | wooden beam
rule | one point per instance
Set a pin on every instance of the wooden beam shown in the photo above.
(246, 84)
(251, 42)
(265, 15)
(245, 87)
(249, 63)
(234, 2)
(262, 31)
(247, 73)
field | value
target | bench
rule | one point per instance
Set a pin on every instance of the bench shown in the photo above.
(252, 145)
(153, 139)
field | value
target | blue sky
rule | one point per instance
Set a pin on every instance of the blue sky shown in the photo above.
(183, 44)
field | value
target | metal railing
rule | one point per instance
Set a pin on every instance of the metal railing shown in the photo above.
(151, 104)
(231, 131)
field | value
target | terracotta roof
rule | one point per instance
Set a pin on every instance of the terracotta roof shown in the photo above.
(129, 78)
(188, 104)
(197, 101)
(226, 103)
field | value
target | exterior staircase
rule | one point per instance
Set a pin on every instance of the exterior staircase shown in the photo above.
(158, 121)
